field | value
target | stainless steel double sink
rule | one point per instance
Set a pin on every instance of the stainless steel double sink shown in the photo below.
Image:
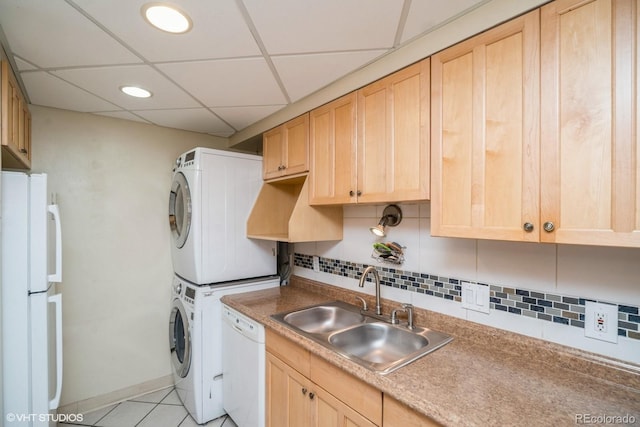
(376, 345)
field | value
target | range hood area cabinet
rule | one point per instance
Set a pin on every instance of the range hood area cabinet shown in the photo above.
(534, 128)
(282, 213)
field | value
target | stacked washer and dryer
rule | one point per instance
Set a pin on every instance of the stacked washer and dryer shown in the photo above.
(212, 193)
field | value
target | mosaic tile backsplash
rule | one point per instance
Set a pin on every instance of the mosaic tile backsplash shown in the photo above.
(562, 309)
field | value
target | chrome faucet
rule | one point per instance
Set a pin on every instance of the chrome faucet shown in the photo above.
(407, 308)
(377, 282)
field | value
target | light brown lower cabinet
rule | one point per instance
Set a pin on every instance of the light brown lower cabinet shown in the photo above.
(304, 390)
(396, 414)
(294, 400)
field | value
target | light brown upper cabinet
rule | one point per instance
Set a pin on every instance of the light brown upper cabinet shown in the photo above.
(574, 176)
(393, 137)
(16, 122)
(286, 149)
(484, 134)
(372, 146)
(590, 156)
(332, 147)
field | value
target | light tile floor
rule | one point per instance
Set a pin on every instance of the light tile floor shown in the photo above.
(158, 409)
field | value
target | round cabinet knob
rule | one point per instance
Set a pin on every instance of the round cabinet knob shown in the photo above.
(359, 193)
(528, 227)
(351, 193)
(549, 226)
(304, 391)
(311, 396)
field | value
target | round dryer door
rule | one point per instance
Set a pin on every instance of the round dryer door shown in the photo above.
(179, 209)
(179, 339)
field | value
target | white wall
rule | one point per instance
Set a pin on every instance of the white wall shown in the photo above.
(601, 273)
(112, 179)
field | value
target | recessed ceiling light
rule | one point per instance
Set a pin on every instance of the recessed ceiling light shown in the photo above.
(135, 91)
(166, 18)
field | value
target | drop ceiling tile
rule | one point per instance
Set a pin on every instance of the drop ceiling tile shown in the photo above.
(23, 65)
(219, 30)
(294, 26)
(427, 14)
(304, 74)
(122, 115)
(49, 91)
(196, 120)
(241, 117)
(53, 34)
(106, 82)
(227, 83)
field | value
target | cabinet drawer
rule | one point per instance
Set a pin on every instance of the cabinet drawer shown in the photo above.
(362, 397)
(288, 351)
(400, 415)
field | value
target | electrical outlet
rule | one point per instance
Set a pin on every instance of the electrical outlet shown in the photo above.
(316, 263)
(601, 321)
(475, 297)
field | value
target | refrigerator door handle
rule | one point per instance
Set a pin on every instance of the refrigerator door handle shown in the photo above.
(57, 300)
(57, 276)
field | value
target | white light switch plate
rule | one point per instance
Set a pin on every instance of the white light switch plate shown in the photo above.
(601, 321)
(475, 297)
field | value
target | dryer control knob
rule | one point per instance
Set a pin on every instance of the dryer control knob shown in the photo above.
(178, 161)
(178, 288)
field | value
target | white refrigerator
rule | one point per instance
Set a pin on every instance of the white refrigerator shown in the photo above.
(31, 312)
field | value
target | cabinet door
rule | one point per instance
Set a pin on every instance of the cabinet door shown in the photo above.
(287, 394)
(296, 145)
(10, 109)
(15, 132)
(590, 190)
(24, 133)
(393, 137)
(332, 147)
(330, 412)
(272, 145)
(485, 134)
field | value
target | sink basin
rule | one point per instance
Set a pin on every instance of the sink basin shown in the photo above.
(383, 347)
(378, 342)
(324, 318)
(379, 346)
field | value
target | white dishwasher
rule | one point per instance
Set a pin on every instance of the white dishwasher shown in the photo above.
(243, 368)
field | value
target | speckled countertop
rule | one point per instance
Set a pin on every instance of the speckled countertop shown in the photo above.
(484, 377)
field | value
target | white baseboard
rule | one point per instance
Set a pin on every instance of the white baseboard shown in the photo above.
(117, 396)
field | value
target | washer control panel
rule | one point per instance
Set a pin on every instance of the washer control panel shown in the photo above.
(185, 160)
(189, 295)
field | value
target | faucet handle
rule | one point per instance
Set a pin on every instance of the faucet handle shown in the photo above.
(394, 315)
(409, 309)
(364, 303)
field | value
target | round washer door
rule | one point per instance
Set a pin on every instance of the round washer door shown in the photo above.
(179, 339)
(180, 209)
